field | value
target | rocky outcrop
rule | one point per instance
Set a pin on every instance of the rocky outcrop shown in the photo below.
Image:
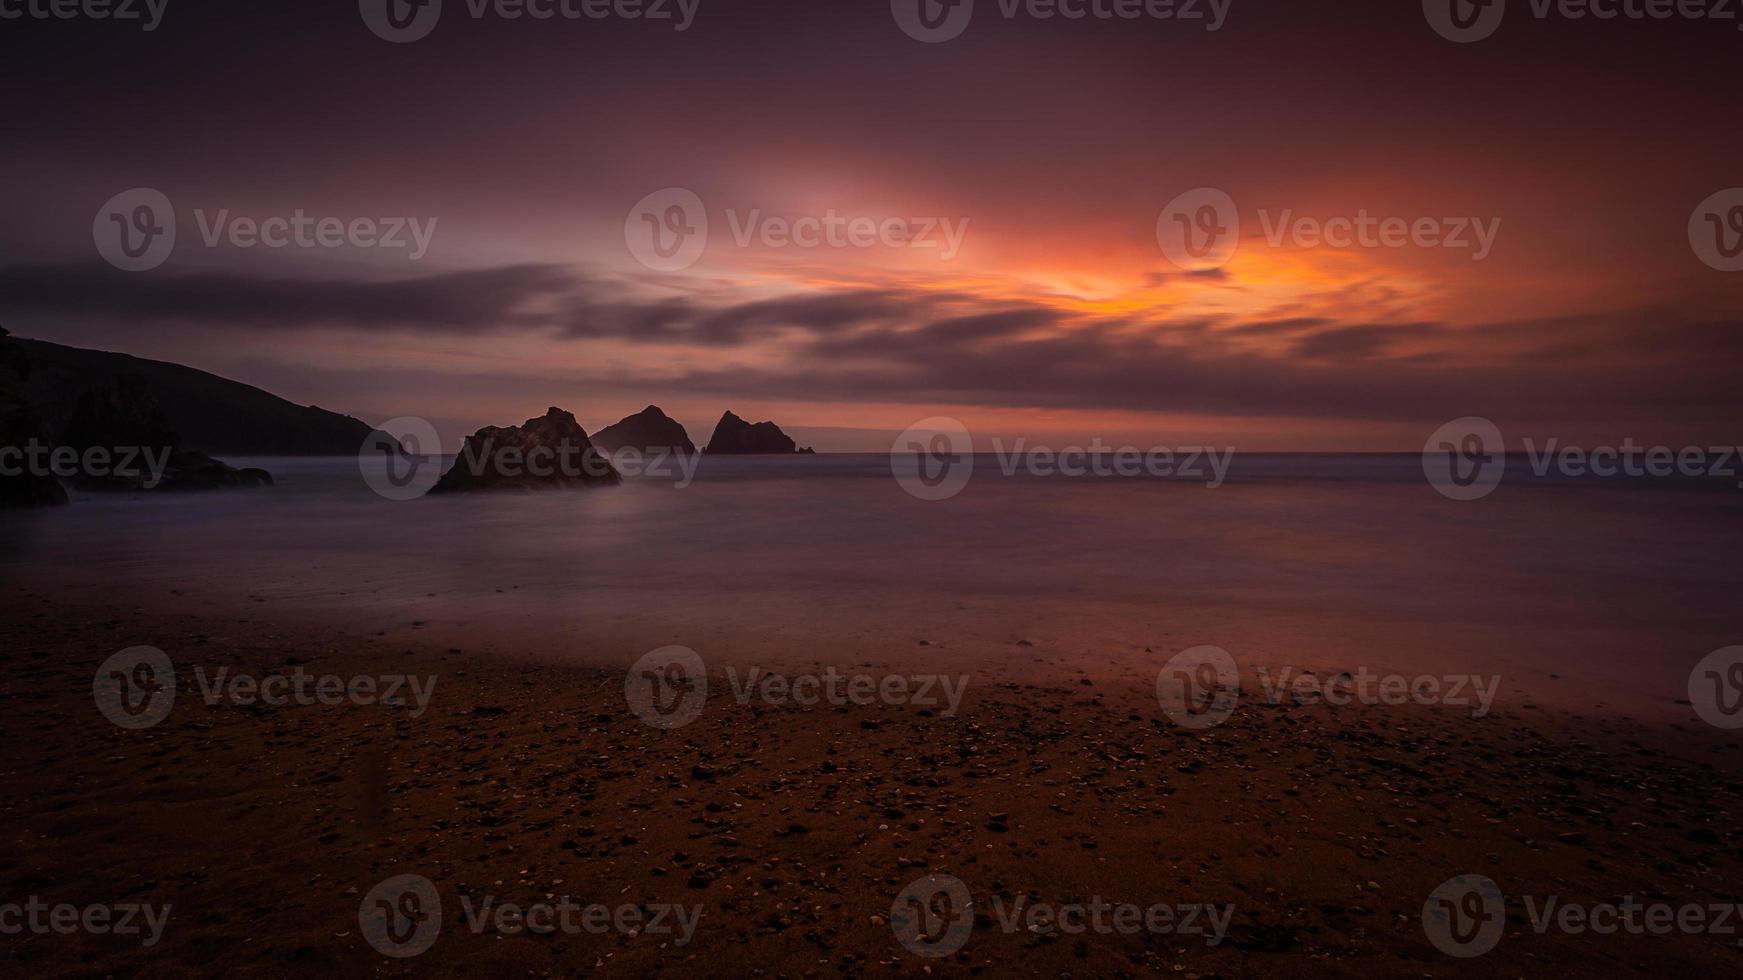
(649, 430)
(734, 436)
(547, 453)
(211, 414)
(124, 442)
(20, 487)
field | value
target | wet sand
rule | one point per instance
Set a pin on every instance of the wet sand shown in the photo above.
(795, 828)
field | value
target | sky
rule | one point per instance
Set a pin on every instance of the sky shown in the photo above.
(1038, 165)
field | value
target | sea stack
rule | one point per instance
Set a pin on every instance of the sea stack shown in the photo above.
(734, 436)
(649, 431)
(548, 453)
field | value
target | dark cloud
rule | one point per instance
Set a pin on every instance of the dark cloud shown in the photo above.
(911, 345)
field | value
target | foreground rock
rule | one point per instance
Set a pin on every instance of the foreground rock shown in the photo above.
(650, 430)
(19, 487)
(734, 436)
(126, 443)
(548, 453)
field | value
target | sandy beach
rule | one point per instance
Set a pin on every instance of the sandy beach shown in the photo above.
(1287, 841)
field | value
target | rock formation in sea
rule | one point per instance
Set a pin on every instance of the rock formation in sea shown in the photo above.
(125, 442)
(649, 430)
(547, 453)
(20, 487)
(734, 436)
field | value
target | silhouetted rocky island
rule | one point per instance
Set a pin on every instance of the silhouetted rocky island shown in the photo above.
(547, 453)
(650, 430)
(734, 436)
